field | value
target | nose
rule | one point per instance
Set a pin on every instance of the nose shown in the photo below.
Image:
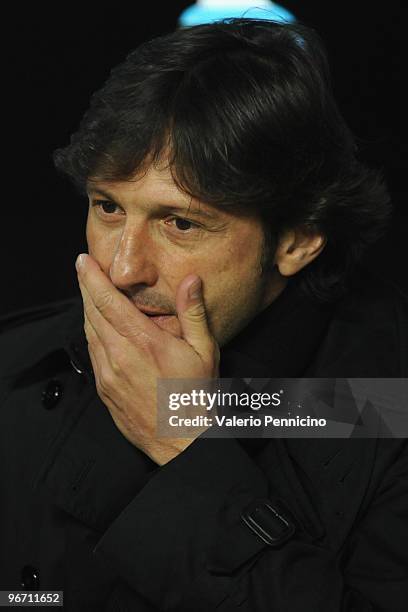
(133, 263)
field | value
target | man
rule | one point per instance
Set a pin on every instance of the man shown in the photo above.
(227, 215)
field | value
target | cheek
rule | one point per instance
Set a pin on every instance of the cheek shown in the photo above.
(240, 260)
(234, 275)
(175, 263)
(101, 244)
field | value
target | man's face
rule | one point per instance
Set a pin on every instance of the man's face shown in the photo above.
(147, 235)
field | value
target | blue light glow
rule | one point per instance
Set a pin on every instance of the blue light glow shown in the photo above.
(198, 14)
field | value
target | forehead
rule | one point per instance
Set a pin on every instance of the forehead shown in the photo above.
(152, 181)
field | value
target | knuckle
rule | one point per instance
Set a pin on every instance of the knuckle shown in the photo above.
(130, 330)
(89, 335)
(91, 344)
(105, 382)
(197, 313)
(116, 367)
(90, 340)
(116, 356)
(103, 300)
(143, 340)
(99, 388)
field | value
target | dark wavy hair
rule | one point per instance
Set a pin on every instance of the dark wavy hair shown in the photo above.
(244, 111)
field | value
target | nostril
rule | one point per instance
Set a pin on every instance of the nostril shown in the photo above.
(130, 272)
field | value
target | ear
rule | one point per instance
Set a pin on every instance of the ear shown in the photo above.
(297, 248)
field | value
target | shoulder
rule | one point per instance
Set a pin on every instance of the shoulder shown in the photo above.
(25, 316)
(368, 333)
(377, 295)
(29, 334)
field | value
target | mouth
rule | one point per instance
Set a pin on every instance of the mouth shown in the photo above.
(168, 321)
(160, 317)
(156, 315)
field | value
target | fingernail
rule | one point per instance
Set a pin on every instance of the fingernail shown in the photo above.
(79, 261)
(194, 291)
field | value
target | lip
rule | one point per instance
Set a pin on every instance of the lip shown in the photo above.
(154, 313)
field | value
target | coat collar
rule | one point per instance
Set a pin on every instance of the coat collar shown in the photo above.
(280, 342)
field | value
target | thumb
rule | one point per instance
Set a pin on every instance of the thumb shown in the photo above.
(192, 315)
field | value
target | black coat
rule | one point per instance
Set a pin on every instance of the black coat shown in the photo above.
(84, 511)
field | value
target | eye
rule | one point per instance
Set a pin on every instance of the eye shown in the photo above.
(182, 225)
(106, 208)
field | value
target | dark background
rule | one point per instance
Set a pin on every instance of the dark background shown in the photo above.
(57, 57)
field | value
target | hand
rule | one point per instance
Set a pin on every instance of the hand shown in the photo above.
(129, 352)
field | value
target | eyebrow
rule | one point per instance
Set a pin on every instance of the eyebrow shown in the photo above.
(199, 212)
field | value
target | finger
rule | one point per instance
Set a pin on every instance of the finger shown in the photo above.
(115, 307)
(193, 317)
(100, 363)
(96, 349)
(105, 332)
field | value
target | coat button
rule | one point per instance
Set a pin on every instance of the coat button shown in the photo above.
(30, 578)
(78, 369)
(52, 394)
(76, 361)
